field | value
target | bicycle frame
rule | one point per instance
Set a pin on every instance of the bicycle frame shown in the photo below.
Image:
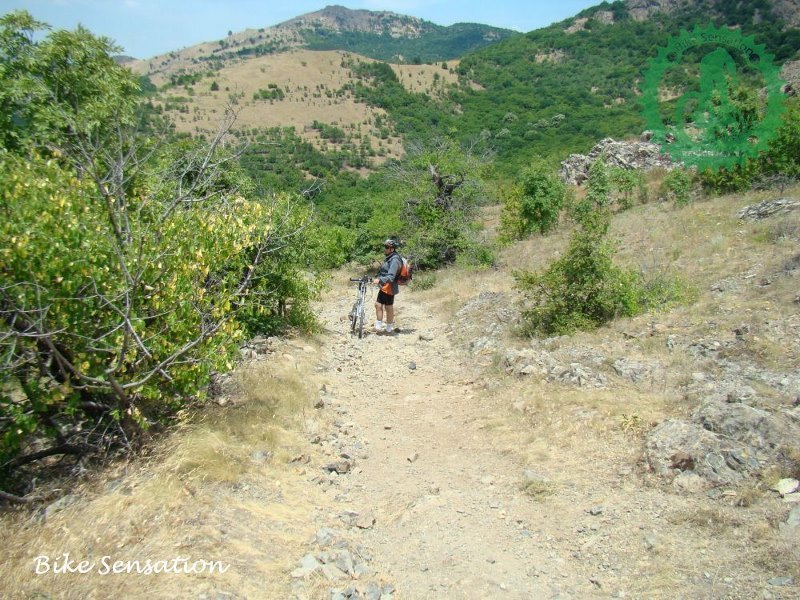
(358, 312)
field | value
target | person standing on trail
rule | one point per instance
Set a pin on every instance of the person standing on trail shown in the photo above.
(387, 280)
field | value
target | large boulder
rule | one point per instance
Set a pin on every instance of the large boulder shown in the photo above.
(644, 155)
(677, 446)
(723, 442)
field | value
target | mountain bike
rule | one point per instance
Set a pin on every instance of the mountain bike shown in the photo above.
(358, 312)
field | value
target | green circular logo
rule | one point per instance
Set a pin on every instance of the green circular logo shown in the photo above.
(712, 97)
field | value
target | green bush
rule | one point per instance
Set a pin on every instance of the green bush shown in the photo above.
(598, 193)
(782, 158)
(440, 185)
(534, 205)
(424, 281)
(131, 265)
(625, 183)
(581, 290)
(677, 186)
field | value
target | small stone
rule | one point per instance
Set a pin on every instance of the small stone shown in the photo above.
(426, 336)
(786, 486)
(324, 537)
(340, 467)
(781, 581)
(361, 570)
(365, 520)
(530, 476)
(688, 482)
(793, 522)
(412, 457)
(373, 592)
(260, 456)
(59, 504)
(344, 561)
(412, 366)
(332, 572)
(596, 511)
(651, 541)
(308, 564)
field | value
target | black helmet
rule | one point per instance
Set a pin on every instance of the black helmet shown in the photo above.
(390, 242)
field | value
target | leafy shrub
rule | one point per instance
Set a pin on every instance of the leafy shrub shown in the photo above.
(131, 264)
(781, 158)
(534, 205)
(677, 186)
(424, 281)
(598, 193)
(625, 183)
(582, 289)
(441, 185)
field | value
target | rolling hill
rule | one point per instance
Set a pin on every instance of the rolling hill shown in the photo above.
(550, 92)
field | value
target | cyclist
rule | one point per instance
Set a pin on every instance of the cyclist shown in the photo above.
(386, 279)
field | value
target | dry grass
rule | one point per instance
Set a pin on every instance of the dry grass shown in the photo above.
(219, 488)
(309, 80)
(427, 79)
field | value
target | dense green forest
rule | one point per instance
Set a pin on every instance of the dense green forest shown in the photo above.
(436, 44)
(550, 92)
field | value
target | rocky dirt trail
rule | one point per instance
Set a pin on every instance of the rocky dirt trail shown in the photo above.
(456, 479)
(450, 518)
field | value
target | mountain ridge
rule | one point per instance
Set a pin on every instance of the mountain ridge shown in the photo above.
(336, 27)
(550, 92)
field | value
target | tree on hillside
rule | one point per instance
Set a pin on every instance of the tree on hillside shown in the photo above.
(533, 204)
(130, 265)
(442, 183)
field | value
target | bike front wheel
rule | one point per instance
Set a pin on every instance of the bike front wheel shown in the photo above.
(361, 318)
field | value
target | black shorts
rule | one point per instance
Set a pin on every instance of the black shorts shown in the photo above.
(384, 298)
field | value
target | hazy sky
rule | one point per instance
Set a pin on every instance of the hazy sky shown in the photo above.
(145, 28)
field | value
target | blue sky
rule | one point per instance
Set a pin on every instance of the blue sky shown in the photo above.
(145, 28)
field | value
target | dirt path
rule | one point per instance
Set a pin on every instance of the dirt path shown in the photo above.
(451, 519)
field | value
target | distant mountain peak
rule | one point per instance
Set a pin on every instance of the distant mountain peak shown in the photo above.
(342, 19)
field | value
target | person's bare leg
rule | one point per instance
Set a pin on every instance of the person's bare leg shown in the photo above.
(389, 318)
(379, 317)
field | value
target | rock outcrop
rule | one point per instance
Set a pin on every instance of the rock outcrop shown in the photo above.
(644, 155)
(769, 208)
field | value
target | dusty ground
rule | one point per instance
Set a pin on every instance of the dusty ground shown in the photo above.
(490, 486)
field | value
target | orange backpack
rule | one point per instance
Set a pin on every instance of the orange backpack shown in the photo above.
(405, 274)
